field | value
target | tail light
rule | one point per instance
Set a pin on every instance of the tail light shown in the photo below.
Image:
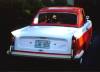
(73, 40)
(12, 39)
(74, 45)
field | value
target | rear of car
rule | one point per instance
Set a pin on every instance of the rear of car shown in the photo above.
(46, 41)
(55, 33)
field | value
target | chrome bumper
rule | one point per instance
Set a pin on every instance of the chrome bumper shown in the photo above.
(77, 56)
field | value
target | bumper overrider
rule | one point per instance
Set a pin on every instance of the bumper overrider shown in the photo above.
(11, 51)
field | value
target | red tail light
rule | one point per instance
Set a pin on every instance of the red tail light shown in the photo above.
(74, 45)
(12, 39)
(73, 39)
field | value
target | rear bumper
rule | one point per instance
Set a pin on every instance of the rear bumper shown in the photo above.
(19, 53)
(40, 55)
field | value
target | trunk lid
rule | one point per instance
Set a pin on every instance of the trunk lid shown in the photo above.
(44, 39)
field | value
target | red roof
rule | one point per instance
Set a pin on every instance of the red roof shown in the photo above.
(61, 9)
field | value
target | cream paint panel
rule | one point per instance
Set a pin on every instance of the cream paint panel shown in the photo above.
(61, 46)
(46, 31)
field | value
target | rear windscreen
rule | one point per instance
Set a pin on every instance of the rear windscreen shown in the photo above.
(62, 18)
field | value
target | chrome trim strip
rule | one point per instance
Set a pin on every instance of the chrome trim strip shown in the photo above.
(41, 55)
(79, 54)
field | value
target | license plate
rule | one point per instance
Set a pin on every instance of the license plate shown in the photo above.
(42, 44)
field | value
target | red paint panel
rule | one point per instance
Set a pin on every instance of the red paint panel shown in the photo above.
(84, 39)
(61, 9)
(80, 20)
(47, 24)
(74, 10)
(78, 44)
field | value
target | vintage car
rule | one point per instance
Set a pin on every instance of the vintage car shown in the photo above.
(56, 32)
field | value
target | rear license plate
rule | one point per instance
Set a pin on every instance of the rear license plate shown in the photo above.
(42, 44)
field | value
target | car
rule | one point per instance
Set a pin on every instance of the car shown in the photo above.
(56, 32)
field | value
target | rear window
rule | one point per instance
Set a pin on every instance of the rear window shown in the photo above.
(62, 18)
